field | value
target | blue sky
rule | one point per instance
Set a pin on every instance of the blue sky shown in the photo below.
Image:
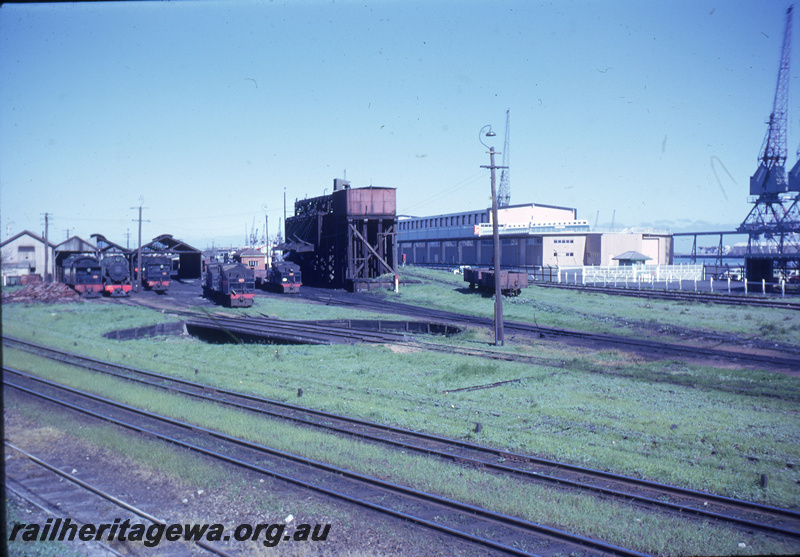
(650, 111)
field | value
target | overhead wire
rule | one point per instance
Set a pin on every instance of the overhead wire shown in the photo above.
(446, 192)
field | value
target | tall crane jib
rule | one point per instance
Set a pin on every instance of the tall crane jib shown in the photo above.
(770, 177)
(773, 224)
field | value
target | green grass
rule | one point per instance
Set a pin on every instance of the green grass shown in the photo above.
(578, 512)
(708, 428)
(154, 462)
(559, 412)
(599, 312)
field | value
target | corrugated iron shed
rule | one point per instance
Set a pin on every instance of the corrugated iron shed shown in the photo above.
(190, 259)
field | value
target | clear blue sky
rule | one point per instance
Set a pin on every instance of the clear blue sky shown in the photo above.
(208, 110)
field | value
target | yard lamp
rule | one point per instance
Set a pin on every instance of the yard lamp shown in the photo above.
(498, 297)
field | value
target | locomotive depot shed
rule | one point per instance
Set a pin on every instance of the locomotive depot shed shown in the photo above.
(190, 259)
(24, 255)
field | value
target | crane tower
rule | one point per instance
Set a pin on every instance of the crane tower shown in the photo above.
(775, 215)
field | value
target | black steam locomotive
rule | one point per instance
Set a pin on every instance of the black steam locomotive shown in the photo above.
(116, 273)
(231, 284)
(284, 277)
(156, 271)
(83, 274)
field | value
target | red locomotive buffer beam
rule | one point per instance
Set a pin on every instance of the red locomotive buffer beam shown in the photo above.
(116, 274)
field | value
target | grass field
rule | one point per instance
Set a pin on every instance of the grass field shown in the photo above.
(598, 312)
(716, 429)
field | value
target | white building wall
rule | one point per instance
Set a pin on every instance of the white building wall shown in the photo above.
(25, 255)
(563, 251)
(650, 249)
(525, 214)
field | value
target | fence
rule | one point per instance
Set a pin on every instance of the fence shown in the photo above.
(655, 277)
(630, 274)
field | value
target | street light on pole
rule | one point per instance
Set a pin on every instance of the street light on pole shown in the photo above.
(498, 297)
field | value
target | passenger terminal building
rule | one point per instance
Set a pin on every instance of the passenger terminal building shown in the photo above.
(532, 235)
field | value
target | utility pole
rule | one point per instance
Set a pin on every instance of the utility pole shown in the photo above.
(138, 267)
(499, 335)
(46, 244)
(139, 254)
(498, 295)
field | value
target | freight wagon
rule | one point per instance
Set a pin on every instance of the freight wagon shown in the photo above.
(511, 282)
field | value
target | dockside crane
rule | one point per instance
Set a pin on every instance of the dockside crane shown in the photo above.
(504, 195)
(775, 214)
(770, 177)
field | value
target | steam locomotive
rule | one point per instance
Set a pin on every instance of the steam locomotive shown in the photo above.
(284, 277)
(231, 284)
(116, 275)
(83, 274)
(156, 272)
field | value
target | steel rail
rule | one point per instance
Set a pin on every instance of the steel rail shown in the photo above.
(108, 497)
(523, 525)
(203, 393)
(10, 488)
(450, 317)
(295, 330)
(527, 328)
(677, 295)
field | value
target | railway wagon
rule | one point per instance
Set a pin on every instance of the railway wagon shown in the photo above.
(231, 284)
(156, 272)
(511, 282)
(82, 273)
(116, 273)
(284, 277)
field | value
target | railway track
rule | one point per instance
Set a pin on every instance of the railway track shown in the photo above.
(42, 485)
(296, 332)
(509, 535)
(598, 339)
(679, 295)
(648, 494)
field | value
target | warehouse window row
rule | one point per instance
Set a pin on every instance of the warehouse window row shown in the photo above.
(437, 222)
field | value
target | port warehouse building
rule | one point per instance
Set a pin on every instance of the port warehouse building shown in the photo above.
(531, 235)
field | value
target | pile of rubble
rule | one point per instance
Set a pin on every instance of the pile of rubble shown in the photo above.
(53, 293)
